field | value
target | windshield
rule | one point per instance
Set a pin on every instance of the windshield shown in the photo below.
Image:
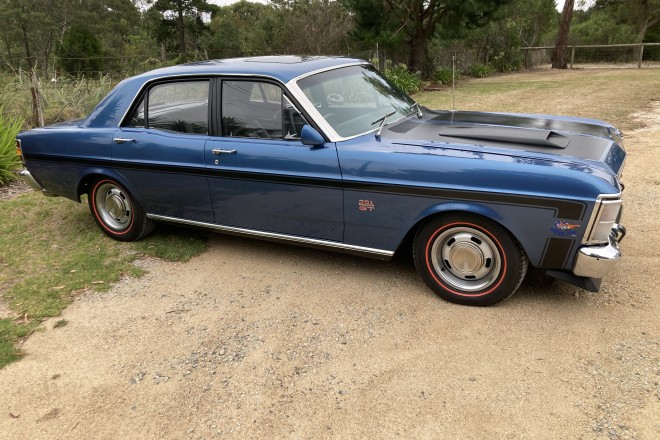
(357, 99)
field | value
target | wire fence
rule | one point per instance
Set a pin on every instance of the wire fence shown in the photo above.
(644, 55)
(63, 96)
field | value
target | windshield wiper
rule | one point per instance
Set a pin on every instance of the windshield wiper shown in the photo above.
(419, 109)
(382, 122)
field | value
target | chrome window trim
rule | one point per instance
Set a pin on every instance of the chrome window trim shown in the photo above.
(623, 164)
(595, 215)
(185, 76)
(276, 236)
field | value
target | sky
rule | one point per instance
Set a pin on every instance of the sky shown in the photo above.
(560, 3)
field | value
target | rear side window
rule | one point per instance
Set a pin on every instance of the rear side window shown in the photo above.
(180, 107)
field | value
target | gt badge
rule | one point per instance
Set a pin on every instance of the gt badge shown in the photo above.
(366, 205)
(564, 228)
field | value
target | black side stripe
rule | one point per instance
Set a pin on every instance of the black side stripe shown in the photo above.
(564, 209)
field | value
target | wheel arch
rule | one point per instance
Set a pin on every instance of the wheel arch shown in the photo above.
(90, 175)
(477, 209)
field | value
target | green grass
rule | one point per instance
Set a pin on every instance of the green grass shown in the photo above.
(52, 251)
(614, 95)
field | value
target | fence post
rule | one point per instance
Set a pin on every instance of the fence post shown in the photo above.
(36, 99)
(572, 55)
(641, 55)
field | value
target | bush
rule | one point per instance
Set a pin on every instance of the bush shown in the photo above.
(9, 161)
(480, 70)
(403, 79)
(444, 75)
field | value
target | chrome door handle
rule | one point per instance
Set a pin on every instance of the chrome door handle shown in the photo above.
(122, 140)
(221, 151)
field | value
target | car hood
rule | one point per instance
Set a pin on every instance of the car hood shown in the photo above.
(563, 139)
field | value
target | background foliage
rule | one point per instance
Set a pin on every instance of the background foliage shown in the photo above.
(126, 36)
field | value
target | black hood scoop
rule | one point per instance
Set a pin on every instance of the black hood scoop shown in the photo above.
(537, 137)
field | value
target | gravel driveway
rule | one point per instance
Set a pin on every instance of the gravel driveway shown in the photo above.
(259, 340)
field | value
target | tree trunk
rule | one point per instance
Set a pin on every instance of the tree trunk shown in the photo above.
(417, 51)
(559, 54)
(182, 31)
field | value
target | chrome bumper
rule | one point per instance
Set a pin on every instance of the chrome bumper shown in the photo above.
(598, 261)
(27, 177)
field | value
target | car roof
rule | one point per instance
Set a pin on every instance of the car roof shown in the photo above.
(283, 67)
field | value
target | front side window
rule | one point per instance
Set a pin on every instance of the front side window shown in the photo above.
(180, 107)
(257, 109)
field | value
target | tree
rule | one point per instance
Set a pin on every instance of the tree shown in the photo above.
(518, 24)
(174, 14)
(559, 54)
(80, 52)
(414, 22)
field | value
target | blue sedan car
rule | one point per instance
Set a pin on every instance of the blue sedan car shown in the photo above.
(326, 152)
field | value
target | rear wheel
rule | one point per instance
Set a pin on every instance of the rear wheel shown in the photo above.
(116, 211)
(469, 260)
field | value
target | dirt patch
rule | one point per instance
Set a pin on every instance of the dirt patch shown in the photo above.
(259, 340)
(14, 188)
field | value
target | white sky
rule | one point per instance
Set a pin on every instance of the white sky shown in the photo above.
(579, 4)
(582, 4)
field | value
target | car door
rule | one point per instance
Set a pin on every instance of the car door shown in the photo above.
(160, 150)
(261, 176)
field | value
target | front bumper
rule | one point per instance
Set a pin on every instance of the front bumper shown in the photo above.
(27, 177)
(598, 261)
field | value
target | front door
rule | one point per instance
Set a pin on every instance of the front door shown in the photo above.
(261, 177)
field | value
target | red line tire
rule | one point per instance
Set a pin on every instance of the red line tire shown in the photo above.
(467, 259)
(116, 211)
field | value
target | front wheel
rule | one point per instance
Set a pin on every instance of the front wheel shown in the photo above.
(469, 260)
(116, 212)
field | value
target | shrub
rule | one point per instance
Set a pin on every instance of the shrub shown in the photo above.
(480, 70)
(403, 78)
(444, 75)
(9, 161)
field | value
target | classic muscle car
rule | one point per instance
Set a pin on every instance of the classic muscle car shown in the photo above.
(326, 152)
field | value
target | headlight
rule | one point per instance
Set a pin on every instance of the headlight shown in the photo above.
(606, 214)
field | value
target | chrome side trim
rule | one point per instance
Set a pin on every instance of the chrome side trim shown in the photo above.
(595, 214)
(304, 241)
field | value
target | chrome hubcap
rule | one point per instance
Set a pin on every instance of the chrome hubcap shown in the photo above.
(114, 206)
(466, 259)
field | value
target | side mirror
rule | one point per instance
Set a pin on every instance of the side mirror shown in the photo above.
(309, 136)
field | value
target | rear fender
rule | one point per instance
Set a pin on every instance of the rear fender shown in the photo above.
(88, 175)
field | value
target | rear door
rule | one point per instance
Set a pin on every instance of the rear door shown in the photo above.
(160, 150)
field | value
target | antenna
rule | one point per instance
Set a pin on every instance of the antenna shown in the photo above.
(453, 82)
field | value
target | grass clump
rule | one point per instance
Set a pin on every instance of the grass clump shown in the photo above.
(53, 251)
(9, 160)
(480, 70)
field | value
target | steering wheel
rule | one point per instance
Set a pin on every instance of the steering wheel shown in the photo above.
(335, 98)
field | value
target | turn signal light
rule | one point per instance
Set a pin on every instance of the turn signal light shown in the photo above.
(19, 151)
